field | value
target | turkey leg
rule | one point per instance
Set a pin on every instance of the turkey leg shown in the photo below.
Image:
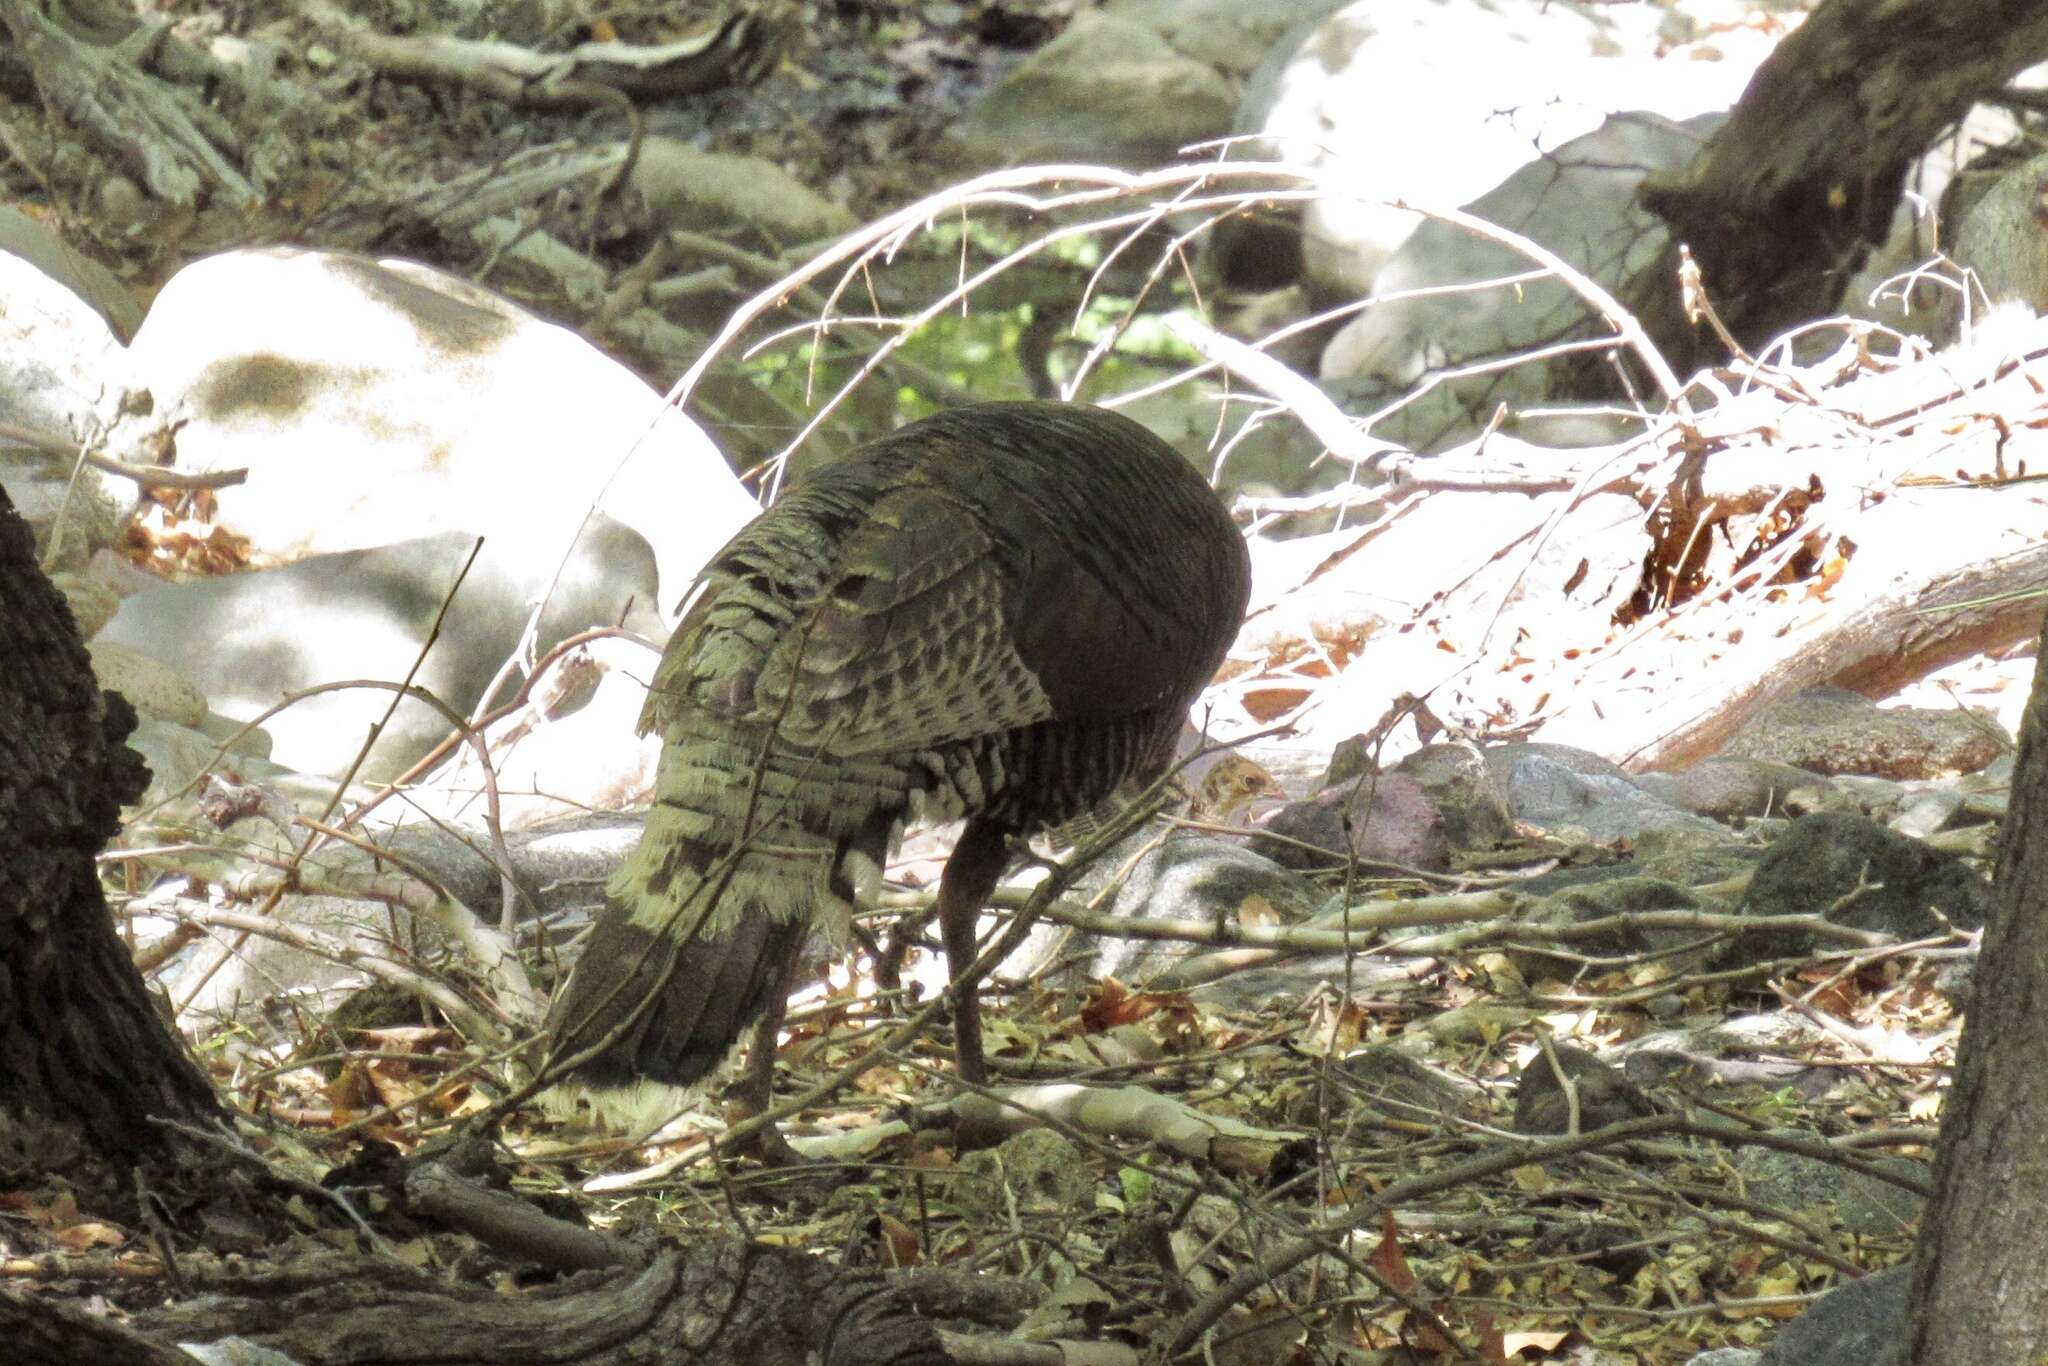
(971, 875)
(755, 1090)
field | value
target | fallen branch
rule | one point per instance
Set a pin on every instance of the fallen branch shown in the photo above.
(586, 75)
(474, 1023)
(138, 118)
(512, 1224)
(149, 476)
(1137, 1115)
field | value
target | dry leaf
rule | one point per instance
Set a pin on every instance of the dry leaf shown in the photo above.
(896, 1242)
(88, 1234)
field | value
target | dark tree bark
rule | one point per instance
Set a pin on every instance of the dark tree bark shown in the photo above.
(81, 1045)
(1980, 1278)
(1785, 201)
(45, 1331)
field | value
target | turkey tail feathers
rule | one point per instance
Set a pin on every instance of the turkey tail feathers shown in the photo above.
(745, 855)
(695, 944)
(674, 1007)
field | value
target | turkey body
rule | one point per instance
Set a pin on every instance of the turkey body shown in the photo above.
(1001, 613)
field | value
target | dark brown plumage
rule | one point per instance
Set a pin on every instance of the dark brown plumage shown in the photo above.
(1002, 612)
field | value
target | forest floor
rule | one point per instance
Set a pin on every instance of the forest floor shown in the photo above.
(1531, 1261)
(854, 104)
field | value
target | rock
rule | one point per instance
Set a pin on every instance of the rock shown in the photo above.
(1437, 102)
(1833, 730)
(1927, 811)
(1685, 868)
(1864, 1205)
(1658, 1065)
(1999, 772)
(573, 748)
(243, 641)
(234, 1351)
(1461, 785)
(1227, 986)
(1580, 202)
(565, 866)
(92, 602)
(1878, 798)
(1351, 758)
(1957, 980)
(1765, 1032)
(1385, 818)
(1478, 1023)
(1388, 1083)
(64, 375)
(155, 689)
(1548, 784)
(74, 525)
(1107, 89)
(1572, 793)
(374, 402)
(1998, 236)
(1232, 37)
(688, 187)
(1872, 1207)
(1724, 789)
(1940, 194)
(1725, 1053)
(1991, 806)
(1605, 1096)
(1858, 1323)
(1035, 1172)
(99, 288)
(239, 737)
(1269, 458)
(1600, 900)
(1699, 866)
(1185, 877)
(1821, 861)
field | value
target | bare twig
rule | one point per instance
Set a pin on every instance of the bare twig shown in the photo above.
(149, 476)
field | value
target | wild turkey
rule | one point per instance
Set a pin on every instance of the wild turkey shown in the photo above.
(1002, 612)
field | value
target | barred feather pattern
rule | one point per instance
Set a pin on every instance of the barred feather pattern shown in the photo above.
(1003, 612)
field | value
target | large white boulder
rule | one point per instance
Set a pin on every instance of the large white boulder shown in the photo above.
(374, 402)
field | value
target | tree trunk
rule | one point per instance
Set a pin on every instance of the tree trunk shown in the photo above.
(81, 1045)
(1980, 1279)
(1785, 201)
